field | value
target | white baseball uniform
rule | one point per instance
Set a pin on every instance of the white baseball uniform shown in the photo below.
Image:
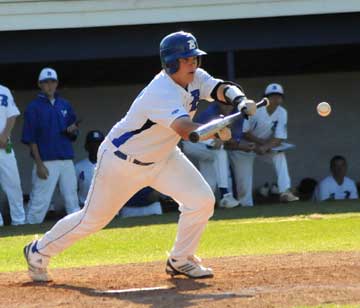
(84, 173)
(141, 151)
(328, 188)
(9, 173)
(151, 209)
(261, 125)
(213, 163)
(62, 172)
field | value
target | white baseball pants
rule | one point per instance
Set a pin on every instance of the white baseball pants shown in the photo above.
(62, 171)
(242, 164)
(116, 180)
(213, 164)
(10, 183)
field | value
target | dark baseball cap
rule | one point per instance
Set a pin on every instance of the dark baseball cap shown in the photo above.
(94, 135)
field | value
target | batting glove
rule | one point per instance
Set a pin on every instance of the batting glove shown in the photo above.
(247, 106)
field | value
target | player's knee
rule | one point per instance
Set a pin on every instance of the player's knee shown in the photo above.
(201, 206)
(208, 204)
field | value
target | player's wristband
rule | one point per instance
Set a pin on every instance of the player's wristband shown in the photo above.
(233, 95)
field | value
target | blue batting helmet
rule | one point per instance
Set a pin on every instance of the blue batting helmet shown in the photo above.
(175, 46)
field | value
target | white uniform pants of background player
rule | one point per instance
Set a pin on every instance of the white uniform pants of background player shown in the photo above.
(10, 183)
(42, 190)
(213, 164)
(116, 180)
(242, 164)
(136, 211)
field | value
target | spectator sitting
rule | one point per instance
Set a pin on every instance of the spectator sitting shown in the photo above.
(85, 168)
(266, 129)
(212, 158)
(144, 203)
(49, 128)
(336, 186)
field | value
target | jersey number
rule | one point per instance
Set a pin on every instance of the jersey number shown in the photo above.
(196, 96)
(347, 194)
(3, 100)
(275, 124)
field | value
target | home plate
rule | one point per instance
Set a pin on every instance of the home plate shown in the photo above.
(133, 290)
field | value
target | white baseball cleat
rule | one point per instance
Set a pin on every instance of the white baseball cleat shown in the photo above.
(228, 201)
(190, 267)
(288, 196)
(37, 263)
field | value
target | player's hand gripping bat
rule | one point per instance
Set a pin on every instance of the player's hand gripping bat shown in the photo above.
(211, 128)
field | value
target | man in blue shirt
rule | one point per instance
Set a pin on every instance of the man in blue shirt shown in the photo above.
(49, 128)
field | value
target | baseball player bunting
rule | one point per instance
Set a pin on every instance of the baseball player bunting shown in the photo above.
(141, 151)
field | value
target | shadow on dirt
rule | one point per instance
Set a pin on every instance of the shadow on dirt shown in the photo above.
(178, 293)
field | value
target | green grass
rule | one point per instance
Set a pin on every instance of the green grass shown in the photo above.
(271, 229)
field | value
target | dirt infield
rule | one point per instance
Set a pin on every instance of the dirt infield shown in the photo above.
(247, 281)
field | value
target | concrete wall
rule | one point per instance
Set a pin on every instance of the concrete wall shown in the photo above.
(47, 14)
(317, 139)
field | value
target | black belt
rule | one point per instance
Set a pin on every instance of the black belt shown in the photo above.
(126, 157)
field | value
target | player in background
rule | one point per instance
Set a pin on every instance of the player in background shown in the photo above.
(141, 150)
(85, 168)
(336, 186)
(9, 173)
(213, 157)
(49, 128)
(267, 129)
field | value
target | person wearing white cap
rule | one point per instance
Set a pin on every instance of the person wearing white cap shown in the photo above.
(9, 173)
(267, 129)
(50, 126)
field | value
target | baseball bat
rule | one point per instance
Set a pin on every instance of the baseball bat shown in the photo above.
(211, 128)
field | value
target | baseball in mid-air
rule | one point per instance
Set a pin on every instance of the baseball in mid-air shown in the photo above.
(323, 109)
